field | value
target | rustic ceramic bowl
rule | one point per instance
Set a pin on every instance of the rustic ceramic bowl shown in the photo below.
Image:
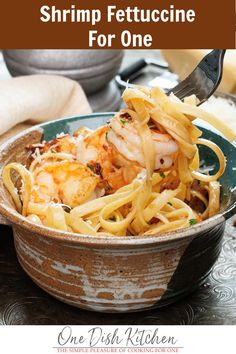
(116, 274)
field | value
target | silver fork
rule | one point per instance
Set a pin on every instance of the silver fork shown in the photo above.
(204, 79)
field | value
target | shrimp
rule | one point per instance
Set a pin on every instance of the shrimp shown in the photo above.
(103, 158)
(113, 153)
(63, 143)
(90, 149)
(66, 182)
(124, 136)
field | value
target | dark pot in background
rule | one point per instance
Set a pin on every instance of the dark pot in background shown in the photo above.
(93, 69)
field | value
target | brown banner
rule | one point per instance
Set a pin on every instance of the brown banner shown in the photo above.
(172, 24)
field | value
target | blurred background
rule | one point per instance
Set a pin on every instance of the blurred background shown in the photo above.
(95, 70)
(103, 74)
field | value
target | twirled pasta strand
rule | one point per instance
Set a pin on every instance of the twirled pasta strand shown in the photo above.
(143, 206)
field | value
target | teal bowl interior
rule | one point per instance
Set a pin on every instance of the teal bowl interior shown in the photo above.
(208, 158)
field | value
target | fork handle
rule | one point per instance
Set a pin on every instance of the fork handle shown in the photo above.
(213, 59)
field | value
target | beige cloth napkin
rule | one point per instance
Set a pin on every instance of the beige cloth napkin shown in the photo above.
(32, 99)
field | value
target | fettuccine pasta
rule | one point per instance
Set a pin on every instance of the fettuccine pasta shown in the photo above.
(138, 175)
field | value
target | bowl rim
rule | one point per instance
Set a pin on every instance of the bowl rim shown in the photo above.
(100, 241)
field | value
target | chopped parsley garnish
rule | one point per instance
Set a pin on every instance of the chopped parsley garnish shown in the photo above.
(91, 167)
(123, 121)
(113, 218)
(162, 175)
(170, 203)
(192, 222)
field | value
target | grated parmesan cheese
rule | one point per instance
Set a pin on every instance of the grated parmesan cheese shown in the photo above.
(36, 154)
(225, 109)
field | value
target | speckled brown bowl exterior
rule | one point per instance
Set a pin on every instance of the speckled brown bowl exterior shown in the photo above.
(109, 274)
